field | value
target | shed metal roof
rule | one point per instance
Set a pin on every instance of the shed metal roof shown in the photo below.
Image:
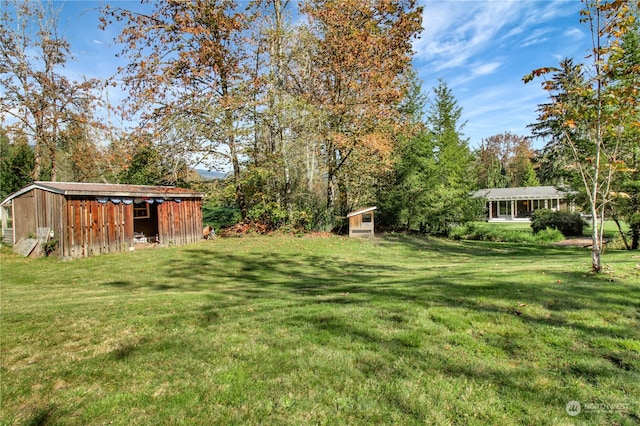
(361, 211)
(521, 193)
(107, 190)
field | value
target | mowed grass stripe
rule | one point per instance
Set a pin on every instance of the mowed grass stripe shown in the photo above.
(286, 330)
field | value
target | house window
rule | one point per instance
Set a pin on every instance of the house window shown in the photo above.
(367, 217)
(141, 211)
(505, 208)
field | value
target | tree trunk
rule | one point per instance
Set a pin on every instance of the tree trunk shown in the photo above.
(596, 249)
(235, 162)
(330, 195)
(37, 164)
(331, 174)
(240, 200)
(343, 206)
(276, 100)
(54, 164)
(621, 232)
(287, 177)
(635, 236)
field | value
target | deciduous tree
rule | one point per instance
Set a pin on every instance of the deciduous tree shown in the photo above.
(504, 161)
(624, 70)
(188, 62)
(360, 53)
(587, 111)
(37, 99)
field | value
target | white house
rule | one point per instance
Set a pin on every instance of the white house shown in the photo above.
(517, 204)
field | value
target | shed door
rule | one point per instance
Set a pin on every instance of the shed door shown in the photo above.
(24, 216)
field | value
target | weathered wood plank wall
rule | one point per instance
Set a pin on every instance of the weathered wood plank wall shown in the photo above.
(94, 228)
(180, 223)
(85, 227)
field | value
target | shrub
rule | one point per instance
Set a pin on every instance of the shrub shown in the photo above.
(49, 248)
(273, 215)
(487, 232)
(569, 224)
(548, 235)
(301, 220)
(220, 217)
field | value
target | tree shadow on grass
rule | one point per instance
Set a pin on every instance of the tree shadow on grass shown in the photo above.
(301, 285)
(323, 279)
(473, 248)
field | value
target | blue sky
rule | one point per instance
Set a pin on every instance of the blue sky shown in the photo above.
(481, 49)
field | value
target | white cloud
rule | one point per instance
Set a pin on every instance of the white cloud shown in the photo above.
(536, 37)
(474, 71)
(485, 69)
(574, 33)
(456, 31)
(482, 49)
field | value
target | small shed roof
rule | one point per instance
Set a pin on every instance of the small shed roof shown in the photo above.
(361, 211)
(107, 190)
(521, 193)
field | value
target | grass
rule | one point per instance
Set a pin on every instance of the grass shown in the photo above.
(521, 232)
(610, 227)
(516, 233)
(286, 330)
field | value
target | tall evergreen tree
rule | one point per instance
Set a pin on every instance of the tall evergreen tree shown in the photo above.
(432, 184)
(448, 201)
(400, 191)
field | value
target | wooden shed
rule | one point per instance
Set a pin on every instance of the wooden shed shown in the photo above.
(361, 223)
(89, 218)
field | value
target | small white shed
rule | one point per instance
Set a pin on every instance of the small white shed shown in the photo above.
(361, 223)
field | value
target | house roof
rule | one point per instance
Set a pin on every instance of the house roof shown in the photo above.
(107, 190)
(361, 211)
(522, 193)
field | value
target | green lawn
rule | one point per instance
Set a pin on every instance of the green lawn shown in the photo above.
(610, 227)
(286, 330)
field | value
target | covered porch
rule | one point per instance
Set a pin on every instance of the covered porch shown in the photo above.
(518, 204)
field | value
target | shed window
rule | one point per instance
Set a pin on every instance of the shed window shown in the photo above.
(141, 211)
(366, 217)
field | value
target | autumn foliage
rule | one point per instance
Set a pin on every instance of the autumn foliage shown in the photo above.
(315, 104)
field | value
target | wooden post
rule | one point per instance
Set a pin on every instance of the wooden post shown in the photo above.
(4, 212)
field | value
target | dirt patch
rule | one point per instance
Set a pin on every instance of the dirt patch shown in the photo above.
(585, 242)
